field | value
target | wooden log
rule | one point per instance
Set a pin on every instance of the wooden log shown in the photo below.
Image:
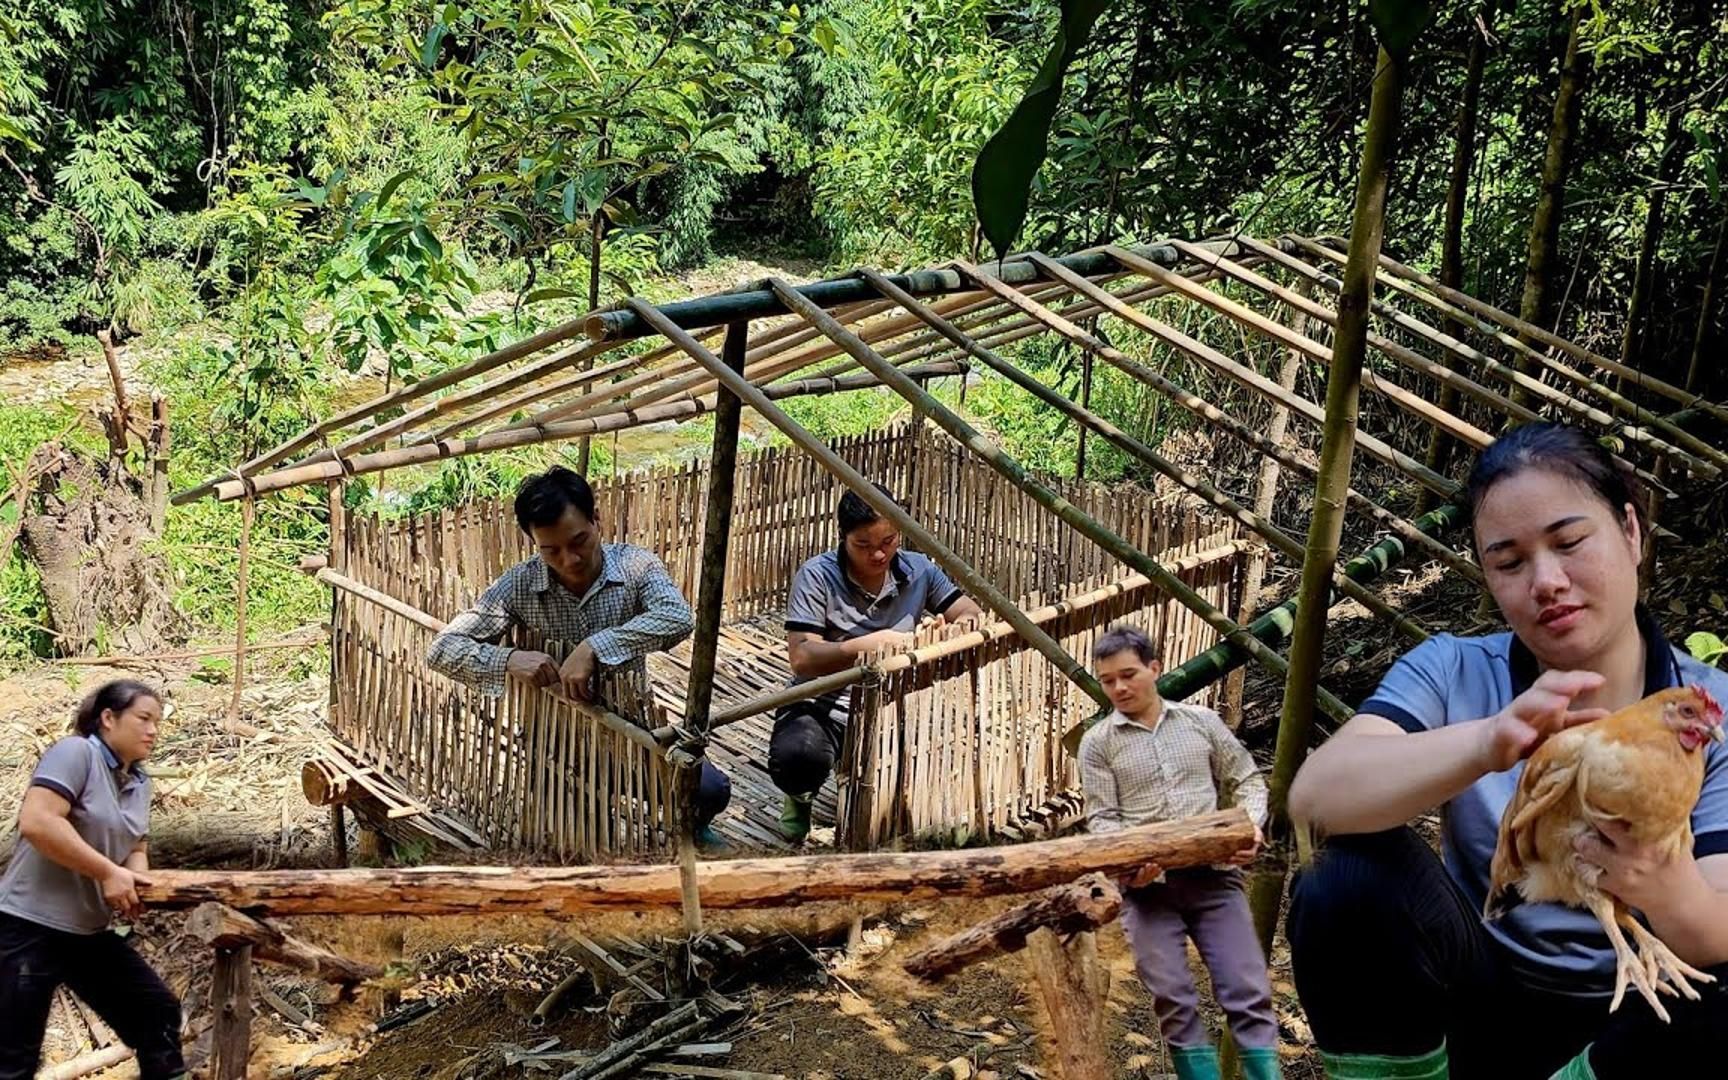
(323, 784)
(1074, 987)
(85, 1064)
(1068, 909)
(231, 1000)
(221, 927)
(729, 884)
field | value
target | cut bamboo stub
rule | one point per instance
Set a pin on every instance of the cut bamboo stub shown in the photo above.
(726, 884)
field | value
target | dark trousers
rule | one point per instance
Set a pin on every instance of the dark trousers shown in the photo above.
(105, 972)
(713, 793)
(805, 744)
(1391, 958)
(1209, 906)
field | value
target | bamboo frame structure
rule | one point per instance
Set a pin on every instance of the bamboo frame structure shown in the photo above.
(1051, 560)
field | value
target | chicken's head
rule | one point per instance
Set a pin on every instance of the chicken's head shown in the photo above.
(1693, 715)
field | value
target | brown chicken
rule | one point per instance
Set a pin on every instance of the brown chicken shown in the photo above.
(1642, 768)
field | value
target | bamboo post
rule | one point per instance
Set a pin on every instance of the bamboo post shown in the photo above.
(1713, 272)
(1085, 403)
(716, 539)
(957, 569)
(1343, 390)
(1012, 470)
(248, 511)
(231, 1000)
(159, 444)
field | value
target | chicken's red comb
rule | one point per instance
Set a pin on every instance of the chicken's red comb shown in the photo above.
(1712, 708)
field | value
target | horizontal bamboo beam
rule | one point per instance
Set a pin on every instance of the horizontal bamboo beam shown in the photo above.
(445, 449)
(618, 325)
(408, 392)
(727, 884)
(928, 654)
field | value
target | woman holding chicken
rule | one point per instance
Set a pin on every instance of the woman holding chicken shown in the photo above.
(1398, 972)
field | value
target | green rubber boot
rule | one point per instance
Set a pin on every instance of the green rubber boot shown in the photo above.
(1429, 1066)
(1577, 1069)
(1260, 1063)
(795, 817)
(1195, 1062)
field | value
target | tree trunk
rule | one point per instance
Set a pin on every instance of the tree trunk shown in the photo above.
(1338, 443)
(1712, 281)
(728, 884)
(1085, 905)
(1632, 337)
(1439, 454)
(1535, 305)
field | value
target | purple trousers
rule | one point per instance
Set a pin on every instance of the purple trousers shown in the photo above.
(1210, 907)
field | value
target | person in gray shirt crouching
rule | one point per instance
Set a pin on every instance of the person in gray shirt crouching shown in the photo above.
(80, 857)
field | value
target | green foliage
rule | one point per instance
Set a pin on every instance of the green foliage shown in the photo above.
(1706, 647)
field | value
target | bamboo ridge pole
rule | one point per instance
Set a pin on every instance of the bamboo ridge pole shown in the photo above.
(957, 568)
(992, 631)
(1140, 451)
(424, 453)
(763, 303)
(726, 884)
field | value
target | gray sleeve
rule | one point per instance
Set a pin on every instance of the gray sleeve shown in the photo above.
(65, 768)
(807, 604)
(467, 650)
(665, 617)
(1234, 771)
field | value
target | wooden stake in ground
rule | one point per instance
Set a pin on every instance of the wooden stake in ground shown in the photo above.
(248, 509)
(231, 1000)
(159, 444)
(1074, 987)
(1325, 530)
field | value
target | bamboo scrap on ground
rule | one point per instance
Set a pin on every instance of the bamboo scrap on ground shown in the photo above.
(738, 883)
(1068, 909)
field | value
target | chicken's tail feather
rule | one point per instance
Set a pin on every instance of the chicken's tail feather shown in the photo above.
(1500, 901)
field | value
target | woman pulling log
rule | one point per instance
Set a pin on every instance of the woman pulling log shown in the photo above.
(80, 858)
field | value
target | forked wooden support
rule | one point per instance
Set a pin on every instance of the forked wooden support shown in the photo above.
(1068, 909)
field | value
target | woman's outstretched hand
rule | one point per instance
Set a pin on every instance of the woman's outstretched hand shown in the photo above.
(1545, 709)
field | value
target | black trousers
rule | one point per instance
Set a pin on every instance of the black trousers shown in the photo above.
(806, 742)
(1391, 958)
(105, 972)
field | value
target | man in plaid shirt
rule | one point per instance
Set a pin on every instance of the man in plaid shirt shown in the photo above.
(1153, 761)
(616, 601)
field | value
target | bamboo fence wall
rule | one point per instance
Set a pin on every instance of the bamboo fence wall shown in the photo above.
(969, 740)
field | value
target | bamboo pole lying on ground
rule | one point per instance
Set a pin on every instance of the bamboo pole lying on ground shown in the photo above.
(1133, 448)
(957, 568)
(725, 884)
(992, 454)
(1696, 450)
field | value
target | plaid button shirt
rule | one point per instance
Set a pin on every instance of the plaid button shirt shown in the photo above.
(632, 609)
(1188, 763)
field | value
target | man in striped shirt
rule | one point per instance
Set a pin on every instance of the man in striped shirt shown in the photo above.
(1153, 760)
(616, 602)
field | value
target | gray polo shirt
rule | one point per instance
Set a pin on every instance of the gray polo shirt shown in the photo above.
(1452, 680)
(110, 810)
(826, 601)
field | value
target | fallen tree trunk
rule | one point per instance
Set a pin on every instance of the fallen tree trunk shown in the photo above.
(1069, 909)
(220, 926)
(730, 884)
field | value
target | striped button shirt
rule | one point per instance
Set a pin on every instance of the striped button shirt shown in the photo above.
(1187, 763)
(632, 609)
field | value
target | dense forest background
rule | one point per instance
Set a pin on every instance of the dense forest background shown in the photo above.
(262, 194)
